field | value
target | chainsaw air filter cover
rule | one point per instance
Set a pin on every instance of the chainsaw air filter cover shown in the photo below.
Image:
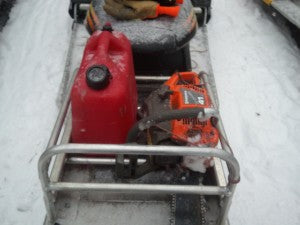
(182, 91)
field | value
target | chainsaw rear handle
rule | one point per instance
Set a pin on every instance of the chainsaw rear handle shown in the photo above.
(149, 121)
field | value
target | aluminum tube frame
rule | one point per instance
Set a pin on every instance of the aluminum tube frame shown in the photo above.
(140, 188)
(84, 6)
(152, 78)
(142, 150)
(98, 161)
(53, 150)
(49, 187)
(219, 126)
(48, 196)
(127, 149)
(224, 143)
(198, 10)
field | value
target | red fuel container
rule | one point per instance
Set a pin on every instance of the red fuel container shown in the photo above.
(104, 94)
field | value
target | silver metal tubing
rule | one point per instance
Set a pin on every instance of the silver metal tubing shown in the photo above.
(63, 110)
(48, 187)
(219, 126)
(84, 7)
(59, 162)
(209, 69)
(60, 119)
(205, 16)
(220, 176)
(140, 188)
(98, 161)
(198, 10)
(226, 205)
(152, 78)
(223, 139)
(140, 150)
(226, 201)
(43, 174)
(204, 76)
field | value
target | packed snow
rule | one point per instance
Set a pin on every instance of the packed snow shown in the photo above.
(257, 70)
(32, 55)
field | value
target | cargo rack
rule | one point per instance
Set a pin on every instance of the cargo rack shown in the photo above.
(68, 190)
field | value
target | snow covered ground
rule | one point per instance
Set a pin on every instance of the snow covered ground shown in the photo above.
(257, 71)
(32, 53)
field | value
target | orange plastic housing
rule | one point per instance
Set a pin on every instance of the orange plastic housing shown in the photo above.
(188, 91)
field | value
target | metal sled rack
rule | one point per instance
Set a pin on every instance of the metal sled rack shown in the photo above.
(79, 187)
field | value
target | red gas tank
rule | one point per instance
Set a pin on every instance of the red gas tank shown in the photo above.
(104, 95)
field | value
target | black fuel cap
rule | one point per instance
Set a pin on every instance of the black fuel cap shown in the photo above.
(97, 77)
(107, 27)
